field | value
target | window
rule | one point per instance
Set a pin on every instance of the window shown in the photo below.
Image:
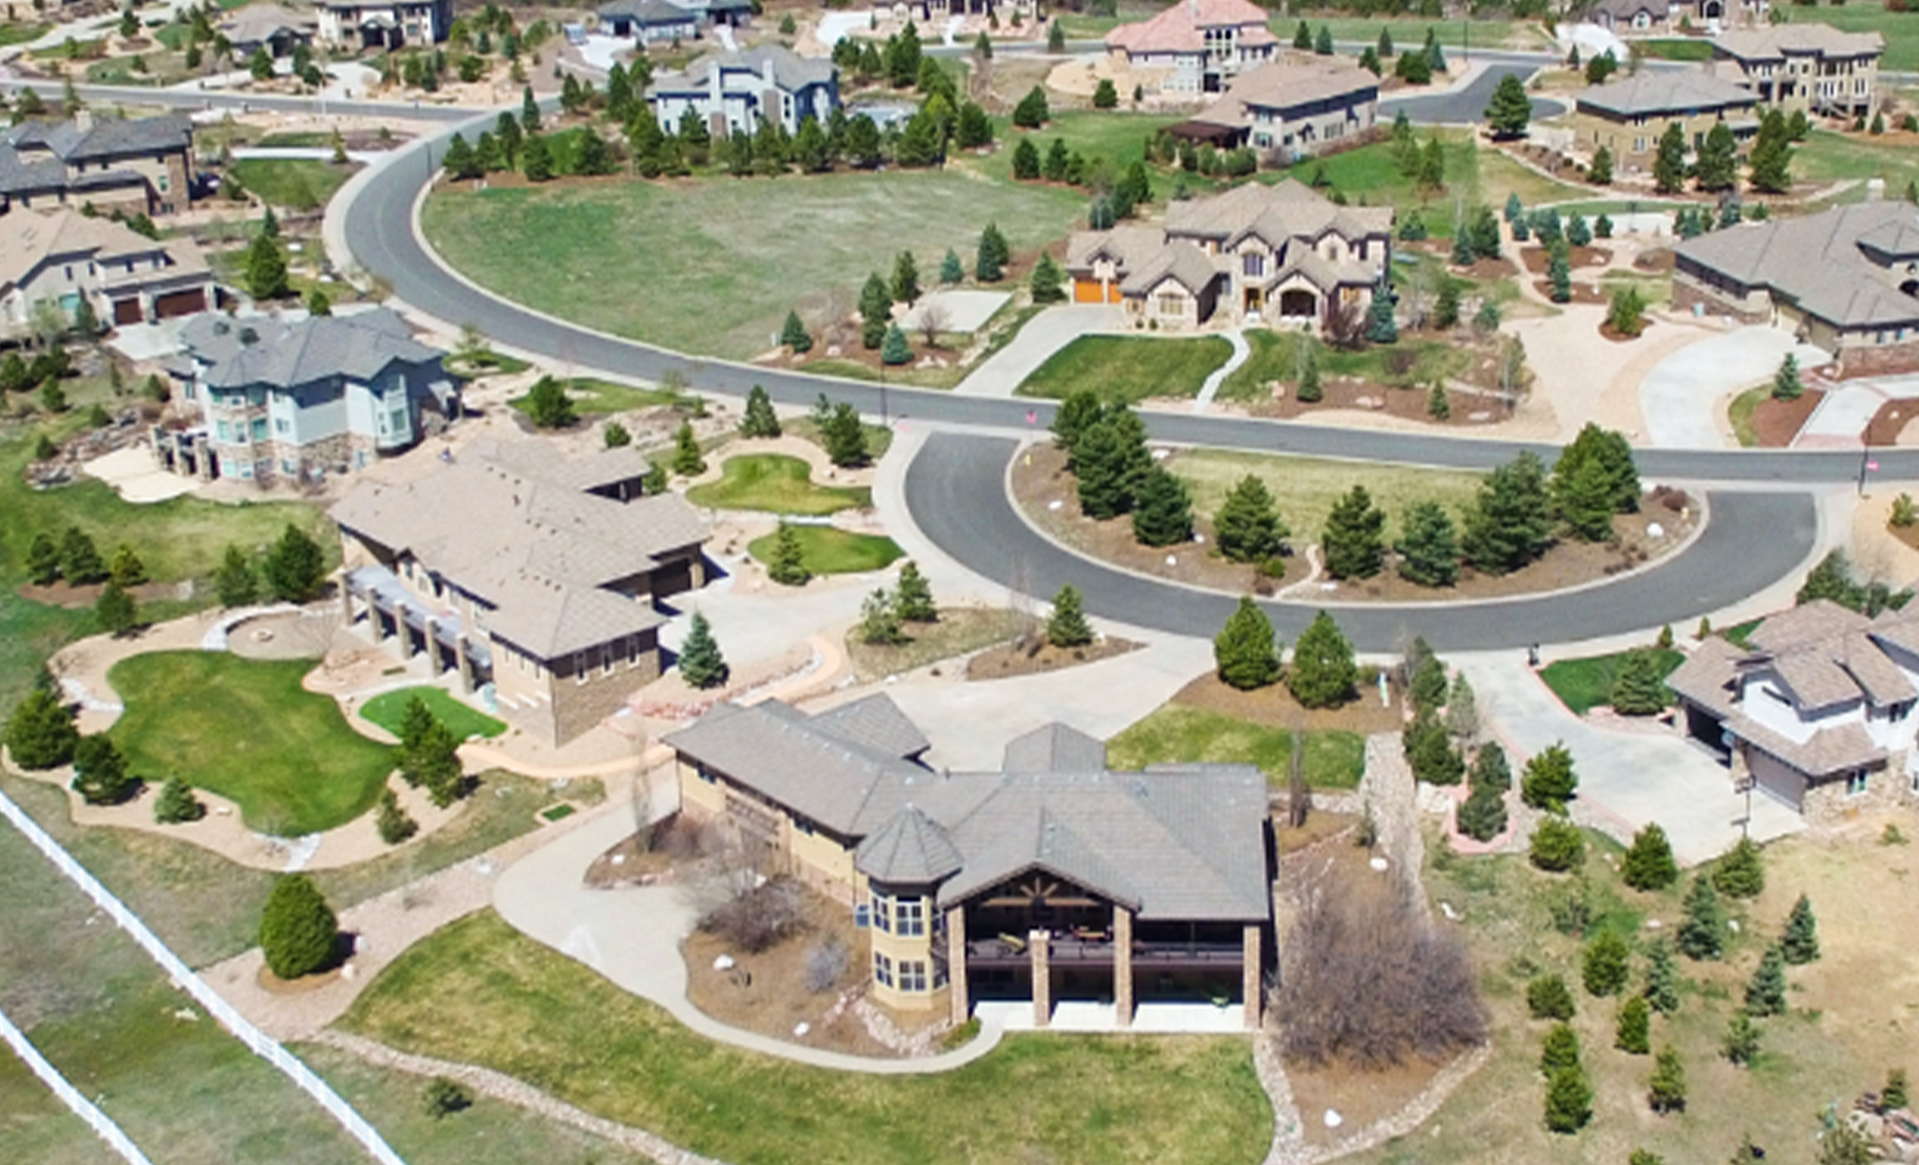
(701, 772)
(281, 426)
(911, 917)
(222, 431)
(1171, 303)
(259, 428)
(1254, 265)
(288, 467)
(913, 975)
(802, 826)
(882, 913)
(882, 970)
(1857, 784)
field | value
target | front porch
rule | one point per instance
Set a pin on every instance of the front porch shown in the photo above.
(376, 604)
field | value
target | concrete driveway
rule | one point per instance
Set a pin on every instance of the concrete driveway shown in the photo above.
(1042, 336)
(1679, 398)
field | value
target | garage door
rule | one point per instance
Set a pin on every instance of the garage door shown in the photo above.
(1776, 780)
(672, 578)
(126, 311)
(180, 303)
(1088, 291)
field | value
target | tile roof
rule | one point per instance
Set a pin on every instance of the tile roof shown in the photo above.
(1817, 261)
(283, 354)
(29, 238)
(1651, 92)
(1180, 27)
(1773, 42)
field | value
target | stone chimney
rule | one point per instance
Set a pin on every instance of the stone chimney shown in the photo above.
(83, 118)
(1875, 190)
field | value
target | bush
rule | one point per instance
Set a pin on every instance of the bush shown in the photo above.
(1482, 816)
(1547, 997)
(1626, 314)
(445, 1097)
(1549, 780)
(1766, 990)
(298, 931)
(1800, 942)
(825, 962)
(1740, 874)
(1702, 933)
(1741, 1043)
(100, 773)
(1603, 966)
(1632, 1033)
(1323, 674)
(1245, 652)
(177, 804)
(1557, 846)
(1371, 980)
(40, 733)
(757, 919)
(1667, 1090)
(1649, 862)
(1569, 1101)
(1560, 1049)
(395, 824)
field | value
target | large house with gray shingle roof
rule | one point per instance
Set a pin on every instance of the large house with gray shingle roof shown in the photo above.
(1195, 46)
(142, 165)
(732, 91)
(1629, 116)
(531, 576)
(1817, 713)
(1051, 879)
(1280, 254)
(64, 258)
(1845, 279)
(1811, 67)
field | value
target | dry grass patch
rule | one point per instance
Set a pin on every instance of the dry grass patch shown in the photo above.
(959, 631)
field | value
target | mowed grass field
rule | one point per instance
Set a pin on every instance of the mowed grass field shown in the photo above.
(826, 550)
(1584, 684)
(388, 710)
(1305, 488)
(478, 991)
(1128, 369)
(776, 484)
(713, 265)
(1332, 759)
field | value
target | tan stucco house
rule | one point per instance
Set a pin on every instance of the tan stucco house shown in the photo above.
(1053, 878)
(134, 165)
(62, 257)
(1815, 68)
(1195, 46)
(1287, 110)
(531, 575)
(1629, 116)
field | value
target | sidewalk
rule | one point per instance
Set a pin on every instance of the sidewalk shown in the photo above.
(1044, 335)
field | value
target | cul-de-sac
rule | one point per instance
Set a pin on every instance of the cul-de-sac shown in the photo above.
(959, 582)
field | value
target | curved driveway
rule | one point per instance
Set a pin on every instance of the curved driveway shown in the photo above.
(955, 492)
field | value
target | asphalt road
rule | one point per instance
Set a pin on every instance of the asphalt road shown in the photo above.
(1464, 106)
(221, 99)
(955, 491)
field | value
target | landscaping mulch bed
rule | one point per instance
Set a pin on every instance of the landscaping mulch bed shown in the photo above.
(1582, 293)
(1614, 334)
(1906, 534)
(1036, 657)
(1274, 706)
(1410, 404)
(80, 597)
(1890, 422)
(1776, 422)
(1658, 260)
(1536, 258)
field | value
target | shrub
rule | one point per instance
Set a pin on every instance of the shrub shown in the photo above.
(1905, 512)
(1626, 314)
(100, 773)
(1766, 990)
(1549, 780)
(1603, 966)
(1662, 978)
(1741, 1043)
(298, 931)
(1482, 816)
(1560, 1049)
(1557, 846)
(1667, 1090)
(1548, 997)
(1649, 863)
(1245, 652)
(1800, 942)
(1569, 1101)
(445, 1097)
(1632, 1032)
(1068, 626)
(177, 804)
(1740, 874)
(1702, 933)
(758, 918)
(40, 733)
(1323, 674)
(1895, 1093)
(825, 962)
(395, 824)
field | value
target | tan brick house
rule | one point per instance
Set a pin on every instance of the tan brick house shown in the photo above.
(136, 165)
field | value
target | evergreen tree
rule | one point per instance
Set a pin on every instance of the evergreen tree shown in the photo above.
(701, 664)
(176, 804)
(1446, 309)
(1105, 96)
(973, 131)
(100, 773)
(1560, 1049)
(1323, 674)
(1716, 167)
(1303, 38)
(1702, 933)
(1247, 527)
(1770, 160)
(1603, 965)
(990, 265)
(1352, 541)
(1384, 47)
(913, 597)
(126, 567)
(1428, 546)
(1669, 164)
(461, 162)
(1309, 390)
(951, 270)
(1026, 166)
(298, 931)
(759, 420)
(788, 566)
(1482, 816)
(1640, 689)
(1786, 384)
(1047, 281)
(1068, 626)
(894, 349)
(688, 461)
(1429, 685)
(1110, 461)
(1435, 56)
(1800, 942)
(1462, 252)
(266, 269)
(1080, 411)
(1740, 874)
(1741, 1043)
(1557, 846)
(40, 733)
(1895, 1093)
(548, 406)
(394, 823)
(295, 567)
(876, 311)
(811, 147)
(1381, 326)
(1323, 41)
(1490, 769)
(880, 621)
(536, 159)
(529, 111)
(1632, 1032)
(1509, 111)
(1429, 751)
(1766, 990)
(1616, 489)
(1649, 862)
(1568, 1100)
(906, 278)
(1549, 781)
(1162, 509)
(115, 611)
(1600, 174)
(1547, 997)
(235, 581)
(1510, 523)
(1559, 275)
(845, 437)
(1032, 112)
(1662, 978)
(1666, 1092)
(1245, 651)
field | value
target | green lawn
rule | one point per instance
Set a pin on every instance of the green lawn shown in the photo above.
(1408, 364)
(1307, 487)
(1739, 414)
(246, 730)
(1370, 176)
(486, 363)
(1129, 369)
(292, 183)
(388, 710)
(593, 397)
(16, 32)
(1742, 633)
(1172, 734)
(1585, 684)
(1118, 137)
(479, 991)
(829, 551)
(1679, 48)
(305, 139)
(720, 261)
(777, 484)
(1831, 157)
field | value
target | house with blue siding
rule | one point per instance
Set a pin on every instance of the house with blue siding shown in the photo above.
(732, 92)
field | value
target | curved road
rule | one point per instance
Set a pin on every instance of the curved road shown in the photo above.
(955, 491)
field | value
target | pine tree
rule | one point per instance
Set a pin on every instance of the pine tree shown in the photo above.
(126, 567)
(1666, 1092)
(1649, 862)
(1895, 1094)
(43, 558)
(1068, 627)
(990, 265)
(1603, 965)
(1080, 411)
(1549, 781)
(1047, 282)
(1162, 509)
(1490, 768)
(1247, 527)
(1559, 276)
(1323, 41)
(906, 278)
(759, 420)
(1557, 846)
(1429, 751)
(1786, 384)
(1702, 933)
(1110, 461)
(298, 931)
(845, 437)
(1381, 326)
(1640, 690)
(1741, 1043)
(1740, 874)
(1509, 111)
(1384, 47)
(529, 111)
(266, 269)
(1309, 391)
(394, 823)
(235, 581)
(1547, 997)
(794, 335)
(115, 611)
(1510, 523)
(1428, 546)
(1352, 541)
(40, 732)
(876, 311)
(1428, 687)
(100, 773)
(1770, 160)
(295, 567)
(880, 621)
(1438, 405)
(1482, 816)
(1632, 1032)
(1568, 1101)
(1246, 654)
(1716, 166)
(176, 804)
(1800, 942)
(1669, 164)
(1323, 674)
(894, 349)
(1766, 990)
(1662, 978)
(1560, 1049)
(688, 461)
(1303, 38)
(1600, 174)
(788, 566)
(913, 597)
(701, 664)
(951, 270)
(548, 406)
(1446, 310)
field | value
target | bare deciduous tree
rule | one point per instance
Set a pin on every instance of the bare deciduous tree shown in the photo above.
(1299, 798)
(932, 321)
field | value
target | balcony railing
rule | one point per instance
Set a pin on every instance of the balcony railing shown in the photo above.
(1007, 950)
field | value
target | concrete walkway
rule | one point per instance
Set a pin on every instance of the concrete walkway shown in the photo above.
(1848, 407)
(1679, 398)
(1633, 775)
(1242, 352)
(1044, 335)
(632, 937)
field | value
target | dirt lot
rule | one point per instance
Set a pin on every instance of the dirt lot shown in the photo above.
(1344, 392)
(1776, 422)
(1275, 707)
(1046, 492)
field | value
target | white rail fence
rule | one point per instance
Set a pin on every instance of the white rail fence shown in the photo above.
(258, 1041)
(82, 1107)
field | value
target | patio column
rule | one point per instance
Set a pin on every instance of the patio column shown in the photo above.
(956, 964)
(464, 662)
(1123, 966)
(1039, 946)
(1250, 975)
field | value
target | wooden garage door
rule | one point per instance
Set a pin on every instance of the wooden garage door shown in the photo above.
(1087, 291)
(180, 303)
(126, 311)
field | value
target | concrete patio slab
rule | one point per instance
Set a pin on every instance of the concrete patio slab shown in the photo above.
(960, 311)
(1077, 1015)
(132, 474)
